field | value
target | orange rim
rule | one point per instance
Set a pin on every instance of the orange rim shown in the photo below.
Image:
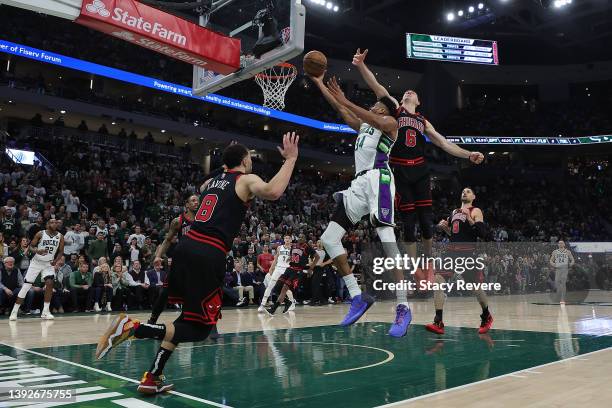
(276, 77)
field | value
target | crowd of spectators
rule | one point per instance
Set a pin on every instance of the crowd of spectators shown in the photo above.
(116, 207)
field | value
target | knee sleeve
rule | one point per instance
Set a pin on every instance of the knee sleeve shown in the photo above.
(332, 239)
(23, 292)
(189, 332)
(426, 222)
(409, 222)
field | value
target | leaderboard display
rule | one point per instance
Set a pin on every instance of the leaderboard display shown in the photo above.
(451, 49)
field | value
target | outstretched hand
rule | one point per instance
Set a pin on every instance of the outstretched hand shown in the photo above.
(359, 57)
(336, 91)
(317, 79)
(476, 157)
(290, 146)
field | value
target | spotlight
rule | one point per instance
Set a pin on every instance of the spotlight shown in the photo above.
(460, 13)
(329, 6)
(63, 112)
(336, 8)
(450, 16)
(480, 6)
(471, 9)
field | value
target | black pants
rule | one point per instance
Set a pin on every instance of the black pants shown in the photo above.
(319, 285)
(82, 299)
(120, 298)
(136, 297)
(153, 293)
(99, 291)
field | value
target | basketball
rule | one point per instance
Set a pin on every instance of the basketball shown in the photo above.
(315, 63)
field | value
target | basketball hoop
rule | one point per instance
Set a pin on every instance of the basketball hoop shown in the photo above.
(274, 83)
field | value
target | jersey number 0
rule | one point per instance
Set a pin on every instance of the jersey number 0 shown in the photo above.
(206, 208)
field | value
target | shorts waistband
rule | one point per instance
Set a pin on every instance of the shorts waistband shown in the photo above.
(207, 239)
(407, 162)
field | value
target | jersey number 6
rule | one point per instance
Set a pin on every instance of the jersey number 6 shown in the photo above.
(411, 137)
(206, 208)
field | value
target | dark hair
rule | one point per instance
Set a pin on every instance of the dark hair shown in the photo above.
(389, 104)
(233, 155)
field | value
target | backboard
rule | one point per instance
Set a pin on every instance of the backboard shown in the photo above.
(244, 19)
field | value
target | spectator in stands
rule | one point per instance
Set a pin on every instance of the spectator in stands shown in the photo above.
(22, 255)
(264, 260)
(11, 282)
(121, 285)
(103, 288)
(241, 282)
(142, 283)
(138, 235)
(73, 240)
(83, 126)
(157, 277)
(257, 277)
(103, 129)
(81, 291)
(4, 249)
(98, 248)
(60, 285)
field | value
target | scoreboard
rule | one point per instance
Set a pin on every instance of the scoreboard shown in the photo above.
(452, 49)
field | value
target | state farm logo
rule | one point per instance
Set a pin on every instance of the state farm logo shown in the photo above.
(124, 35)
(123, 17)
(97, 7)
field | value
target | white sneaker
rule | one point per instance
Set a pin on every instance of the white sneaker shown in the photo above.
(13, 316)
(108, 307)
(240, 302)
(97, 308)
(261, 309)
(46, 316)
(292, 307)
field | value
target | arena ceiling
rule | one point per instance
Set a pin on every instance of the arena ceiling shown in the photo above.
(528, 31)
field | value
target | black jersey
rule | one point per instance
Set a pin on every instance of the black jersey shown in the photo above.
(221, 212)
(409, 148)
(461, 231)
(184, 225)
(299, 256)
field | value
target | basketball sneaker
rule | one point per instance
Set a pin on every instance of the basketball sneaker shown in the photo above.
(261, 309)
(153, 384)
(403, 317)
(120, 330)
(435, 327)
(289, 306)
(486, 323)
(359, 305)
(272, 309)
(46, 316)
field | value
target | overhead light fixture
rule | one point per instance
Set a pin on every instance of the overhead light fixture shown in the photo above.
(480, 6)
(460, 13)
(450, 16)
(471, 9)
(163, 130)
(63, 112)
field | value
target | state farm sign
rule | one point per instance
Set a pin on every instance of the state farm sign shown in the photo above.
(162, 32)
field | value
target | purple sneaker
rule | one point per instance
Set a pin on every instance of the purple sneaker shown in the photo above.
(403, 318)
(359, 305)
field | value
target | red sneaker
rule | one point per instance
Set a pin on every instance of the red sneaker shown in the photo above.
(435, 327)
(153, 384)
(485, 324)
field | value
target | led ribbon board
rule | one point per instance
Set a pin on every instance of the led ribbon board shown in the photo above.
(452, 49)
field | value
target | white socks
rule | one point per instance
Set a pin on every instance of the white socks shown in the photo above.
(46, 308)
(289, 294)
(352, 285)
(401, 295)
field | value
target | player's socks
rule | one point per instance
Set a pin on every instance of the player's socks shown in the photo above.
(287, 305)
(15, 311)
(289, 295)
(403, 317)
(46, 314)
(401, 295)
(150, 331)
(438, 317)
(161, 358)
(352, 285)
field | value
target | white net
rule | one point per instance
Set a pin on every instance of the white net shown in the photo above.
(274, 83)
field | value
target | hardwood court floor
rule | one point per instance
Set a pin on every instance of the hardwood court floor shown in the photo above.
(539, 355)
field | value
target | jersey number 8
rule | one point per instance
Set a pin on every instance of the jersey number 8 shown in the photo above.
(206, 208)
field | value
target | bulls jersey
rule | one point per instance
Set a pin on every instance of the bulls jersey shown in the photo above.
(184, 225)
(50, 244)
(221, 212)
(409, 148)
(299, 256)
(461, 230)
(283, 257)
(371, 149)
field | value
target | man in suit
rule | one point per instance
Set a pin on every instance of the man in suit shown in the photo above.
(157, 276)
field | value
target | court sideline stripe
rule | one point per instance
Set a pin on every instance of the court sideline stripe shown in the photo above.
(180, 394)
(513, 374)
